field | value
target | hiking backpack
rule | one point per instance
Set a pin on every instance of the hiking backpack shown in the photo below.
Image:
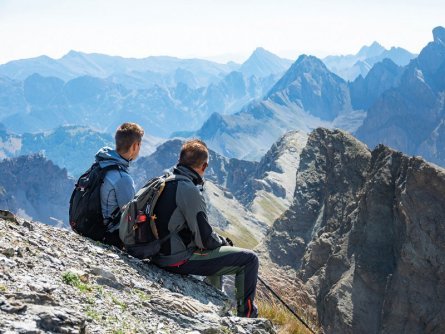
(85, 212)
(137, 228)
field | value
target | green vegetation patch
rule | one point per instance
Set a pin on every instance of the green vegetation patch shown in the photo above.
(73, 279)
(120, 303)
(92, 313)
(142, 295)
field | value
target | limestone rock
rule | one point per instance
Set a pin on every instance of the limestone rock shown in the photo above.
(64, 283)
(366, 237)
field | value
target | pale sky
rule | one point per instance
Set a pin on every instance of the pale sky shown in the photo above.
(220, 30)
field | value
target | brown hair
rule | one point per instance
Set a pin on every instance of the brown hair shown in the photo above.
(126, 135)
(194, 153)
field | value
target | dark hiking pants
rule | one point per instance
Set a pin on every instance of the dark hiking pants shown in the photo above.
(227, 260)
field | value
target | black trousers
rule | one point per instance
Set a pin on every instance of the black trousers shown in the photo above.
(227, 260)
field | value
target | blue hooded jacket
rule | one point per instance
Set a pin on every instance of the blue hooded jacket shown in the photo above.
(118, 187)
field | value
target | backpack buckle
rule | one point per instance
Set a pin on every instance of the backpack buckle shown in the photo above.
(141, 218)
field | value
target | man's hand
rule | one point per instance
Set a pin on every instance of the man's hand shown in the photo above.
(229, 242)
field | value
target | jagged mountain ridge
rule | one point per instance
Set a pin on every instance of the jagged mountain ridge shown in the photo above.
(309, 84)
(75, 64)
(401, 107)
(54, 281)
(350, 67)
(142, 73)
(43, 103)
(382, 77)
(364, 237)
(410, 116)
(306, 97)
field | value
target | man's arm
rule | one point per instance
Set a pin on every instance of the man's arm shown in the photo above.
(193, 207)
(124, 190)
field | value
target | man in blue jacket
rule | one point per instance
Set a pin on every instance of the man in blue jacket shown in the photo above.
(118, 187)
(194, 248)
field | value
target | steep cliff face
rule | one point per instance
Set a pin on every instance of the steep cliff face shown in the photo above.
(366, 90)
(409, 117)
(268, 192)
(54, 281)
(365, 235)
(36, 188)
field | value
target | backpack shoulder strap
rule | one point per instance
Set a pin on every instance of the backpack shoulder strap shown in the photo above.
(175, 177)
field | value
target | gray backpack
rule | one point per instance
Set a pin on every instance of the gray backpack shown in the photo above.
(138, 229)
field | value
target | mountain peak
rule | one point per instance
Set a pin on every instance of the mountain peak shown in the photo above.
(439, 35)
(372, 50)
(260, 51)
(72, 54)
(308, 60)
(262, 63)
(305, 64)
(310, 74)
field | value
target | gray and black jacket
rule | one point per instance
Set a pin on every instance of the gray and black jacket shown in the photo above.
(181, 211)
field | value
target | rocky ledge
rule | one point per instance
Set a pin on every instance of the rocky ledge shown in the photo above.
(54, 281)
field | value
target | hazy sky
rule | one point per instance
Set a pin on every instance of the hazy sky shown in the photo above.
(213, 29)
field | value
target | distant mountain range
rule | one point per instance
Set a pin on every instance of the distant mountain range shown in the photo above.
(145, 72)
(70, 147)
(154, 70)
(410, 117)
(245, 111)
(399, 106)
(99, 100)
(382, 76)
(43, 103)
(352, 66)
(306, 97)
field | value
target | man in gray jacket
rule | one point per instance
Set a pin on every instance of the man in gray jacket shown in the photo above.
(118, 187)
(194, 248)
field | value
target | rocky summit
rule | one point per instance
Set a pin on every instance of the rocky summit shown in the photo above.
(364, 237)
(54, 281)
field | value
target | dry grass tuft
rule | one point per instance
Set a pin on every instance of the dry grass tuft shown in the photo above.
(281, 317)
